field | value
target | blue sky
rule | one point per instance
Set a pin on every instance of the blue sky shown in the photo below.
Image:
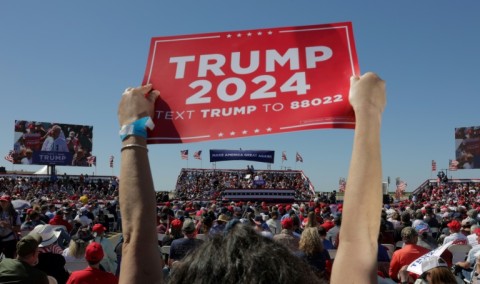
(69, 61)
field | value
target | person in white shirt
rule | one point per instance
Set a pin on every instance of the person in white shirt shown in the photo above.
(27, 160)
(55, 141)
(274, 224)
(455, 235)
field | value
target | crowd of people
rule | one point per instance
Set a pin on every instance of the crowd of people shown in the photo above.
(423, 222)
(67, 212)
(62, 242)
(33, 188)
(418, 224)
(253, 242)
(207, 184)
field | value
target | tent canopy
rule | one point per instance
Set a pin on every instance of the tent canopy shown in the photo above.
(44, 171)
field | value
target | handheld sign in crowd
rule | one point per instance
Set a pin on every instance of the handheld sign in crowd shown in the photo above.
(253, 82)
(416, 266)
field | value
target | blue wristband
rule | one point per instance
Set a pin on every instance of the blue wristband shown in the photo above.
(137, 128)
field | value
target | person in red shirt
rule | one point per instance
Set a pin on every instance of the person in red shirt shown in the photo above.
(92, 274)
(328, 223)
(59, 220)
(406, 255)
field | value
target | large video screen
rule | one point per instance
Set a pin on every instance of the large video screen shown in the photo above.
(47, 143)
(467, 147)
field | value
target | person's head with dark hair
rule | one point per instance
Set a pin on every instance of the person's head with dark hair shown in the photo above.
(207, 220)
(274, 215)
(337, 220)
(296, 221)
(405, 218)
(419, 215)
(322, 231)
(384, 215)
(311, 220)
(241, 256)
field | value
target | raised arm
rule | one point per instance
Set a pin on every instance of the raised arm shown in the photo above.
(362, 206)
(141, 261)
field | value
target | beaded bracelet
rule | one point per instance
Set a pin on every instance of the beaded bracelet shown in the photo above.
(137, 128)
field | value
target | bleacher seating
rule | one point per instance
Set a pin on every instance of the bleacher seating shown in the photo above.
(208, 184)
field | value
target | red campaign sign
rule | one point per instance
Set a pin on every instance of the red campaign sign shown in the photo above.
(253, 82)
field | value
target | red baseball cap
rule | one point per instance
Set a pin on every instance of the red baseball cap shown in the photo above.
(5, 198)
(477, 231)
(94, 252)
(177, 224)
(454, 225)
(287, 223)
(98, 228)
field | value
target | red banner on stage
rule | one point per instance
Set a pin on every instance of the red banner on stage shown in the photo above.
(253, 82)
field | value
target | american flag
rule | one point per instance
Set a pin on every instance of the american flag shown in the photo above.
(198, 155)
(453, 165)
(342, 184)
(298, 158)
(284, 156)
(111, 161)
(401, 187)
(92, 160)
(9, 156)
(184, 154)
(434, 166)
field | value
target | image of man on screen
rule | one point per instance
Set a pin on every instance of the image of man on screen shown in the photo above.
(55, 140)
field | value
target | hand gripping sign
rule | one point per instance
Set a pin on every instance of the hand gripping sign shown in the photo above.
(253, 82)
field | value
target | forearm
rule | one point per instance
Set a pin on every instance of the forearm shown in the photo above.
(363, 201)
(363, 194)
(364, 185)
(464, 264)
(141, 258)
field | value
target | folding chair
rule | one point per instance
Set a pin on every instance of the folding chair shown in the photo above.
(332, 253)
(459, 252)
(390, 249)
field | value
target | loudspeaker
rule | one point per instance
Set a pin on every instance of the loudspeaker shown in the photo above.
(386, 199)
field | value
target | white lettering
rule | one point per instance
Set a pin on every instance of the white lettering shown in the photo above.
(312, 59)
(254, 62)
(215, 62)
(181, 64)
(229, 111)
(291, 55)
(211, 62)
